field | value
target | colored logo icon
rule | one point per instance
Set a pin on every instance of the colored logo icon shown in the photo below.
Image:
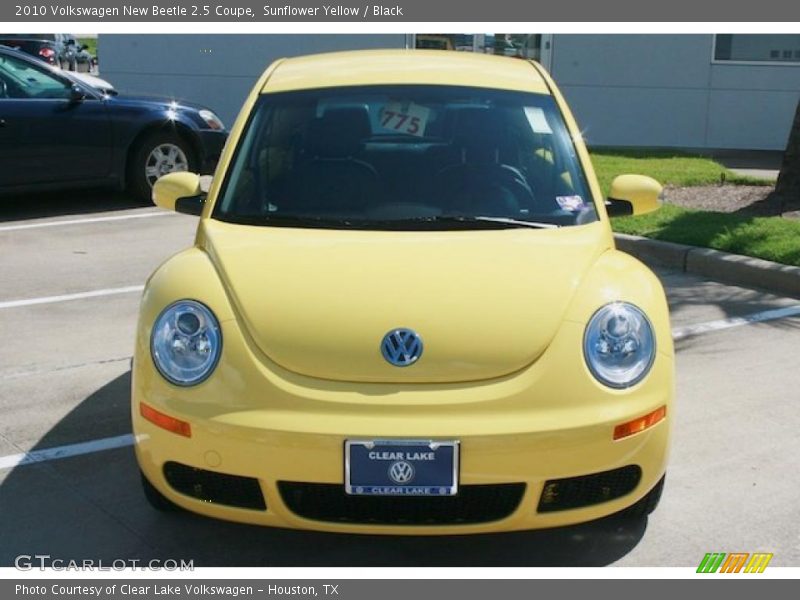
(735, 562)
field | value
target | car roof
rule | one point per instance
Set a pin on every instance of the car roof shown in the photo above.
(404, 67)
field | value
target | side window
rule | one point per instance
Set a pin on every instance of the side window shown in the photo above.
(20, 79)
(734, 48)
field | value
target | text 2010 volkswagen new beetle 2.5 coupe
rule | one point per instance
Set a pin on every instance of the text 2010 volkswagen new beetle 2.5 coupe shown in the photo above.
(404, 312)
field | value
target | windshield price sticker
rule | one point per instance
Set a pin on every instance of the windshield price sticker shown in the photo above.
(537, 120)
(404, 118)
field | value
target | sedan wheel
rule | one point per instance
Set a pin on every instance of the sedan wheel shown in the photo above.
(164, 158)
(156, 155)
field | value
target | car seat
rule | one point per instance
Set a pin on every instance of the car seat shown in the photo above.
(330, 178)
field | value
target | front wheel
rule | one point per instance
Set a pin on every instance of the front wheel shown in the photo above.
(155, 156)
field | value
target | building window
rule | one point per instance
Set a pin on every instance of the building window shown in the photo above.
(757, 48)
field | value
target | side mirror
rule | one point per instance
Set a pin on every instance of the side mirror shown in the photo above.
(76, 94)
(633, 195)
(181, 192)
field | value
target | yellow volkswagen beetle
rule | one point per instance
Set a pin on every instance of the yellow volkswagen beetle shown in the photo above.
(403, 312)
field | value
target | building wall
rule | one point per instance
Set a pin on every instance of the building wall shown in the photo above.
(665, 90)
(625, 90)
(215, 70)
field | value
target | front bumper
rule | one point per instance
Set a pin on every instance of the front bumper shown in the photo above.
(253, 420)
(276, 458)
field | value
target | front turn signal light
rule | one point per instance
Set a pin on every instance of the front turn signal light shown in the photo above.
(165, 421)
(640, 424)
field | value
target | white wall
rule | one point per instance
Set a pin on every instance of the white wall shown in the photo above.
(215, 70)
(663, 90)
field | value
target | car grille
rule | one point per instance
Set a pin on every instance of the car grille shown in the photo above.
(472, 504)
(576, 492)
(219, 488)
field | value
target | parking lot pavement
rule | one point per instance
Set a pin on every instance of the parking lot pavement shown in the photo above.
(64, 368)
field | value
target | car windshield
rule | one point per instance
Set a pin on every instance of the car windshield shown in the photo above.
(406, 157)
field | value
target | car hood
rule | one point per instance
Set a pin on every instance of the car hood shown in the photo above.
(319, 302)
(153, 101)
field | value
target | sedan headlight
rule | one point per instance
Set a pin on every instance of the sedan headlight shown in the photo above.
(186, 342)
(212, 120)
(619, 345)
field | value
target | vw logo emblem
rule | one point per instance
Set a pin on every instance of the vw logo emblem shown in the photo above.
(401, 347)
(401, 472)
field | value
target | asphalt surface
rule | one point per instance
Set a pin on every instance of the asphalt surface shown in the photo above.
(732, 485)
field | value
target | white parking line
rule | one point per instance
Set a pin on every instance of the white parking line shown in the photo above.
(759, 317)
(59, 452)
(64, 222)
(66, 297)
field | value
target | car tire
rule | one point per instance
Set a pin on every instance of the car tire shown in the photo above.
(157, 154)
(156, 499)
(646, 505)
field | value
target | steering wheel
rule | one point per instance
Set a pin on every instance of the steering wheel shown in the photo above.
(483, 189)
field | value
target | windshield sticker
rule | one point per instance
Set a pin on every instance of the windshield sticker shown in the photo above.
(571, 203)
(537, 120)
(406, 118)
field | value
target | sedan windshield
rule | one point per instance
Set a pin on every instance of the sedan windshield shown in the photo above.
(404, 158)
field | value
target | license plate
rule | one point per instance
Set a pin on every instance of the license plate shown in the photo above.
(401, 467)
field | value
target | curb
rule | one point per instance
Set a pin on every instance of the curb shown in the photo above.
(714, 264)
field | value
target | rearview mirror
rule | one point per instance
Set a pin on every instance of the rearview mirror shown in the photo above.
(181, 192)
(633, 195)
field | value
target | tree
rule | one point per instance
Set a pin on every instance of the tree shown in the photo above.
(787, 189)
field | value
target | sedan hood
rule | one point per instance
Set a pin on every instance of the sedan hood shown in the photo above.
(151, 101)
(319, 302)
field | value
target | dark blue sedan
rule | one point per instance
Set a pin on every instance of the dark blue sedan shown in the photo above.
(57, 131)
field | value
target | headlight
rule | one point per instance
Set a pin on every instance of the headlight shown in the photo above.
(186, 342)
(619, 346)
(212, 120)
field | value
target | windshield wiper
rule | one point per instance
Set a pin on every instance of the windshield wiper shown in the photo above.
(467, 220)
(431, 222)
(518, 222)
(279, 220)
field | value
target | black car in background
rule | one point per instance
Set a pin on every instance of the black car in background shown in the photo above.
(57, 49)
(49, 47)
(57, 131)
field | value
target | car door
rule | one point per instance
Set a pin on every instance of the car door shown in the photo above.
(48, 133)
